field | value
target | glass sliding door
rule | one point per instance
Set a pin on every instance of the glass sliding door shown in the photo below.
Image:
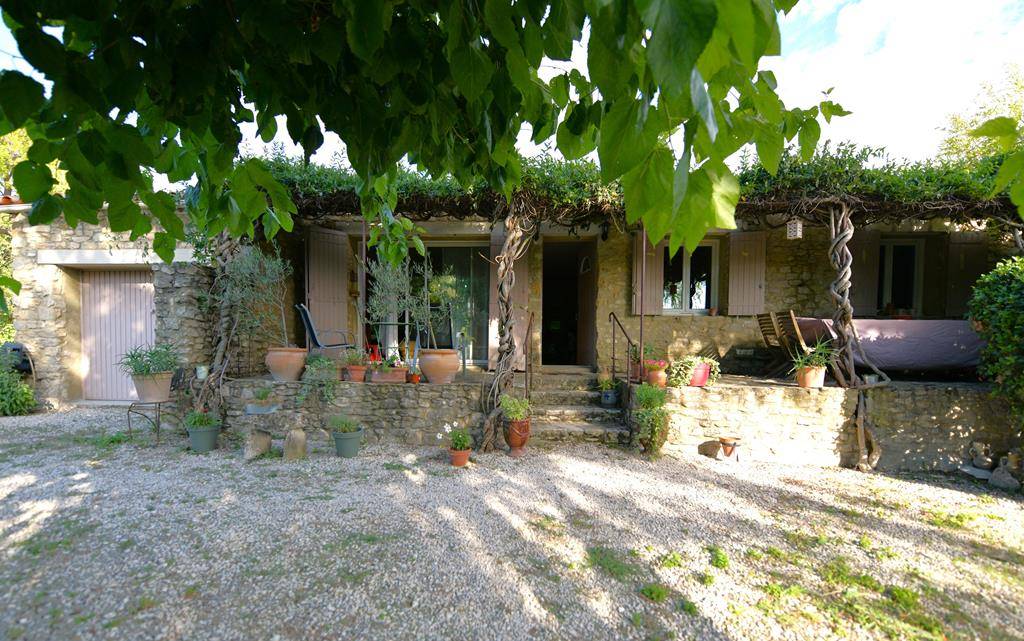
(472, 279)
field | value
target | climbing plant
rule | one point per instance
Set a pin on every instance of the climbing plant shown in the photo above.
(997, 310)
(136, 87)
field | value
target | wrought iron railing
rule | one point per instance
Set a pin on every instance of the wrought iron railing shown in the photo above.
(617, 328)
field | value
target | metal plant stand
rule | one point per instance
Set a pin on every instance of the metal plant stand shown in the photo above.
(140, 409)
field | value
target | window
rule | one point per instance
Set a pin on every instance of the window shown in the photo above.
(900, 275)
(691, 279)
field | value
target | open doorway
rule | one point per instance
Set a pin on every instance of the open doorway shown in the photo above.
(569, 332)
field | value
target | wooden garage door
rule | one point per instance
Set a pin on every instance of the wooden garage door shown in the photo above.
(117, 314)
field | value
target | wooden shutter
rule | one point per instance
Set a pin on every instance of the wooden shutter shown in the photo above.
(746, 272)
(653, 274)
(967, 262)
(117, 314)
(327, 256)
(520, 301)
(864, 278)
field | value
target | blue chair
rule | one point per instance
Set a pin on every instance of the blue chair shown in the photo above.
(313, 337)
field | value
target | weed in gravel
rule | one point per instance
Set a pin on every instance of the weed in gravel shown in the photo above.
(190, 592)
(864, 543)
(903, 598)
(610, 562)
(777, 600)
(655, 592)
(754, 554)
(671, 560)
(549, 524)
(15, 632)
(949, 520)
(554, 609)
(705, 578)
(144, 603)
(838, 572)
(804, 541)
(80, 619)
(397, 467)
(719, 558)
(113, 623)
(688, 607)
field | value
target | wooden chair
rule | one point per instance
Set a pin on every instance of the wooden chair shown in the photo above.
(314, 338)
(775, 341)
(792, 338)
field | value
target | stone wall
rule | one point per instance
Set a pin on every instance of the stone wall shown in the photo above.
(920, 426)
(47, 312)
(401, 413)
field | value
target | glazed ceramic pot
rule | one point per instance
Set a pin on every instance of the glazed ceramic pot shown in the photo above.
(155, 388)
(517, 434)
(356, 373)
(346, 444)
(657, 377)
(439, 365)
(810, 377)
(699, 378)
(459, 457)
(286, 363)
(609, 398)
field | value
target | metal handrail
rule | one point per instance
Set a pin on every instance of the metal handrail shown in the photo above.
(527, 348)
(613, 319)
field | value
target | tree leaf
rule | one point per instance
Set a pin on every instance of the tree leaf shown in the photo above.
(680, 29)
(32, 180)
(22, 97)
(647, 191)
(810, 132)
(164, 246)
(1003, 129)
(625, 140)
(365, 29)
(472, 70)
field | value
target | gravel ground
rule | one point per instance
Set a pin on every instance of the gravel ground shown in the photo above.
(107, 540)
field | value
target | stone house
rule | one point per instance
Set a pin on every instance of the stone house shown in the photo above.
(89, 294)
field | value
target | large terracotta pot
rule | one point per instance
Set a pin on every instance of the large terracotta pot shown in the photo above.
(699, 378)
(657, 377)
(286, 363)
(517, 434)
(458, 457)
(439, 365)
(393, 375)
(810, 377)
(356, 373)
(155, 388)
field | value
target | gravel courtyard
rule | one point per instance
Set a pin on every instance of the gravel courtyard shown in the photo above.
(104, 539)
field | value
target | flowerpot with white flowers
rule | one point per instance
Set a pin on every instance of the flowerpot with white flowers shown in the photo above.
(458, 442)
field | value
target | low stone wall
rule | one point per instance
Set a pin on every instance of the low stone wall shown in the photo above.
(920, 426)
(402, 413)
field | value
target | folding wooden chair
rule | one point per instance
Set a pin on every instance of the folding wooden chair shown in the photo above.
(774, 340)
(789, 333)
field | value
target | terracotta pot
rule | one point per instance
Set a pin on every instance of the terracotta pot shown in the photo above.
(414, 379)
(286, 363)
(811, 377)
(459, 457)
(636, 371)
(6, 200)
(699, 378)
(728, 444)
(657, 377)
(393, 375)
(155, 388)
(439, 365)
(517, 433)
(356, 373)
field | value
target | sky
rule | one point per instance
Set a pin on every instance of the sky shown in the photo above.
(901, 66)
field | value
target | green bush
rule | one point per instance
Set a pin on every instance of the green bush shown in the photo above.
(997, 309)
(319, 379)
(16, 396)
(146, 360)
(649, 397)
(201, 420)
(514, 409)
(651, 418)
(343, 424)
(680, 372)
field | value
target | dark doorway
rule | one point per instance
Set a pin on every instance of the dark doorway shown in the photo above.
(569, 292)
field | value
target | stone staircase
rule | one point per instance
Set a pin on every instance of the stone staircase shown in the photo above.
(566, 407)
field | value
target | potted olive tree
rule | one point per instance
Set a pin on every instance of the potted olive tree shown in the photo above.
(203, 430)
(517, 429)
(151, 368)
(810, 367)
(434, 306)
(348, 435)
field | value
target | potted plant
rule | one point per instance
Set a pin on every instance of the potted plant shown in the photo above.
(262, 403)
(609, 389)
(651, 418)
(414, 375)
(810, 367)
(348, 435)
(517, 430)
(439, 292)
(655, 368)
(355, 365)
(636, 368)
(460, 443)
(151, 369)
(203, 429)
(390, 370)
(694, 371)
(319, 379)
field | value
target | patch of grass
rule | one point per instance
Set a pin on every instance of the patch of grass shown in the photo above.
(397, 467)
(323, 496)
(610, 562)
(949, 520)
(864, 543)
(687, 607)
(144, 603)
(655, 592)
(903, 598)
(777, 598)
(671, 560)
(838, 572)
(191, 592)
(705, 578)
(113, 623)
(719, 558)
(15, 632)
(804, 541)
(754, 554)
(549, 524)
(80, 619)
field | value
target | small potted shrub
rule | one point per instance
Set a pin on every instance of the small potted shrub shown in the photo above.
(609, 389)
(517, 429)
(651, 418)
(388, 371)
(460, 443)
(693, 371)
(414, 375)
(636, 367)
(810, 367)
(348, 435)
(262, 402)
(355, 365)
(655, 368)
(151, 369)
(203, 429)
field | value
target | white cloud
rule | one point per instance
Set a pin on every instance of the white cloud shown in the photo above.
(902, 66)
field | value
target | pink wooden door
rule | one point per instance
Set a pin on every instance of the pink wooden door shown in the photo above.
(746, 272)
(520, 302)
(117, 314)
(327, 283)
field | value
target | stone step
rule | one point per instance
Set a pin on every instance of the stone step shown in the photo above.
(574, 431)
(562, 381)
(543, 397)
(577, 414)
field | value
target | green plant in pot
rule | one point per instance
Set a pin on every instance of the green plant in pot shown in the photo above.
(348, 435)
(609, 389)
(391, 299)
(319, 382)
(263, 402)
(651, 418)
(460, 443)
(389, 370)
(517, 430)
(636, 367)
(810, 367)
(355, 365)
(151, 368)
(694, 371)
(203, 430)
